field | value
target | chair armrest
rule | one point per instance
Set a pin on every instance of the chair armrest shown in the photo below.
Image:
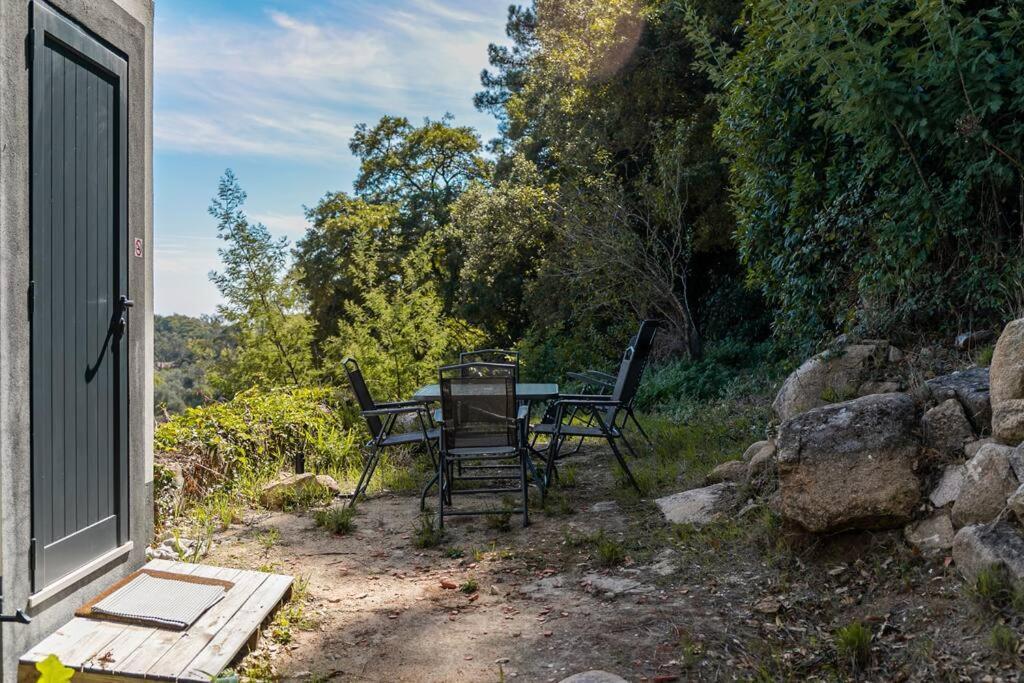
(399, 404)
(524, 412)
(607, 377)
(588, 378)
(585, 397)
(395, 410)
(599, 401)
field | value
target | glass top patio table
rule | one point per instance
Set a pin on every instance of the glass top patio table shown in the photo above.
(524, 392)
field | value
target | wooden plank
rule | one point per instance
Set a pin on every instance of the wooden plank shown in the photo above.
(223, 648)
(223, 614)
(75, 642)
(146, 654)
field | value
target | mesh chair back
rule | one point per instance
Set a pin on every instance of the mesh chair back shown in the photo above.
(362, 392)
(478, 406)
(491, 356)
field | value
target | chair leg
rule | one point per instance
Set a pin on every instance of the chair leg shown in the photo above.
(442, 476)
(618, 455)
(423, 494)
(364, 477)
(629, 446)
(632, 416)
(523, 455)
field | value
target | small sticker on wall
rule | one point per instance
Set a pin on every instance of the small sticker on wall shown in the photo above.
(138, 248)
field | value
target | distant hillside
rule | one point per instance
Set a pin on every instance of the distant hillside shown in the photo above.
(184, 349)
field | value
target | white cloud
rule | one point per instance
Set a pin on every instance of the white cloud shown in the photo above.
(292, 226)
(294, 86)
(181, 272)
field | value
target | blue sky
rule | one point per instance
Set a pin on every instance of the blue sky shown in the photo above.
(273, 91)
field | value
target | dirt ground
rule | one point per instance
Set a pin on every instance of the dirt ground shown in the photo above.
(600, 581)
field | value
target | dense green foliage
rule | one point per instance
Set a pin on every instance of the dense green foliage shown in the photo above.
(876, 160)
(760, 175)
(248, 438)
(185, 350)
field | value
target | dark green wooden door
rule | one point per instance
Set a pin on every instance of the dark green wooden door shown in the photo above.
(78, 272)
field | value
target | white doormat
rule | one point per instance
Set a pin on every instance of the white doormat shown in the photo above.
(157, 601)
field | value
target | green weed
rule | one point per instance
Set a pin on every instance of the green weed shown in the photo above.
(337, 520)
(469, 586)
(269, 538)
(427, 534)
(853, 644)
(1003, 640)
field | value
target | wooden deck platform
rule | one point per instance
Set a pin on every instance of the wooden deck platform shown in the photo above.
(107, 651)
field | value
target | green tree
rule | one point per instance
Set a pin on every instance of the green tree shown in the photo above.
(421, 170)
(399, 332)
(261, 300)
(347, 236)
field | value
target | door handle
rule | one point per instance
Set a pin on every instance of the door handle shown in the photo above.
(123, 303)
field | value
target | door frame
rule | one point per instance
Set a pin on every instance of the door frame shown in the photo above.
(48, 25)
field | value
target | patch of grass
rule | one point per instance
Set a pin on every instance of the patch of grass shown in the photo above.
(454, 553)
(217, 511)
(269, 538)
(568, 476)
(337, 520)
(556, 504)
(984, 356)
(469, 586)
(994, 590)
(306, 498)
(609, 552)
(292, 615)
(853, 645)
(1003, 640)
(427, 534)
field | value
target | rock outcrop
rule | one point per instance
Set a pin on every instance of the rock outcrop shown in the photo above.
(988, 481)
(829, 376)
(850, 465)
(1007, 381)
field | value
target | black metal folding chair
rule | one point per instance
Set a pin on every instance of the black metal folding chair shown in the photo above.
(381, 419)
(483, 438)
(596, 382)
(602, 412)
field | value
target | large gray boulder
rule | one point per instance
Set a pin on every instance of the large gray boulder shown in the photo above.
(850, 465)
(988, 482)
(971, 388)
(829, 376)
(945, 429)
(700, 506)
(1007, 381)
(986, 546)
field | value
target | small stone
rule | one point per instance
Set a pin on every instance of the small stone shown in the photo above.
(733, 470)
(1016, 503)
(594, 676)
(988, 482)
(699, 506)
(931, 535)
(946, 428)
(768, 605)
(873, 387)
(948, 488)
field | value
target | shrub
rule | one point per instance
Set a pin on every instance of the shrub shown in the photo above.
(237, 444)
